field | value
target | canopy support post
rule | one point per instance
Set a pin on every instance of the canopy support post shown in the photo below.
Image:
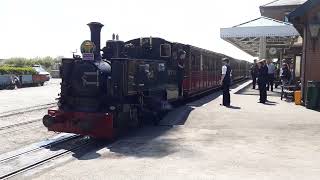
(262, 48)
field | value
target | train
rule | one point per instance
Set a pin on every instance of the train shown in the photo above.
(104, 94)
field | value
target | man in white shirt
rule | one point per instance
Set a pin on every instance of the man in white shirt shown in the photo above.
(180, 71)
(225, 82)
(271, 74)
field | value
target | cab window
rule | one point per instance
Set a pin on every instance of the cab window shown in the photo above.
(165, 50)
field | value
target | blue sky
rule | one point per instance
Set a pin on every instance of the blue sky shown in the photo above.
(32, 28)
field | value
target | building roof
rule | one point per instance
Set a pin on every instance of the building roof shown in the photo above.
(260, 27)
(263, 21)
(303, 9)
(246, 36)
(284, 3)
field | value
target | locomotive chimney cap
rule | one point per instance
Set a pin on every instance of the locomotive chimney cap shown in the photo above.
(95, 23)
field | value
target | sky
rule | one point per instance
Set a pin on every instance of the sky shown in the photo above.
(37, 28)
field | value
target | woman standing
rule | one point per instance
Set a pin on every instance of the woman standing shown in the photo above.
(285, 75)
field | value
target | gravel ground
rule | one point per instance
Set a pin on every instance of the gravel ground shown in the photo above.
(11, 100)
(24, 117)
(203, 140)
(15, 135)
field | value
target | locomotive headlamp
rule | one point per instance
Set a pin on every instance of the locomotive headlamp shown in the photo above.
(112, 108)
(87, 47)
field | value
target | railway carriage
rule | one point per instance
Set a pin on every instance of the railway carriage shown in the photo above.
(103, 95)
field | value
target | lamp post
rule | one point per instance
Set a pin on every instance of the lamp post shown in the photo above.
(314, 28)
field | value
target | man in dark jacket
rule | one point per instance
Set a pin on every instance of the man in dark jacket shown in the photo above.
(226, 81)
(262, 80)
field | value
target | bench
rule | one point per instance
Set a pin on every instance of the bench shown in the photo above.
(287, 91)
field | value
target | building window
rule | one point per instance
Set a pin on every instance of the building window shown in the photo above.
(298, 66)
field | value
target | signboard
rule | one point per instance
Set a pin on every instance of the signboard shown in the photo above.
(88, 56)
(87, 48)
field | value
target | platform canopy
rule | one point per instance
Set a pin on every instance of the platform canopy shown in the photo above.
(261, 35)
(278, 3)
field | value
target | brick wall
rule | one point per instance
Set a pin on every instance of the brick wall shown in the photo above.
(311, 57)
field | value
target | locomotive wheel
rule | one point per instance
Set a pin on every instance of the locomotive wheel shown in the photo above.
(135, 118)
(12, 87)
(85, 126)
(139, 118)
(156, 118)
(47, 121)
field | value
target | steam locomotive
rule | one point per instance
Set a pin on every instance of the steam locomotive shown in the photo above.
(104, 94)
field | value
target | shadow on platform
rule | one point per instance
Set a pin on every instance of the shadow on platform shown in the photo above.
(151, 141)
(202, 101)
(148, 141)
(233, 107)
(255, 92)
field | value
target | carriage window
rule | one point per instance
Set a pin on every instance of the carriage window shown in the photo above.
(161, 67)
(193, 60)
(213, 67)
(165, 50)
(211, 64)
(198, 59)
(205, 63)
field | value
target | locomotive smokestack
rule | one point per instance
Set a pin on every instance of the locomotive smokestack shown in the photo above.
(95, 28)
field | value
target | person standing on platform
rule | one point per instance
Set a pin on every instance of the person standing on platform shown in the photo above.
(271, 74)
(262, 80)
(292, 77)
(285, 75)
(180, 70)
(225, 82)
(254, 73)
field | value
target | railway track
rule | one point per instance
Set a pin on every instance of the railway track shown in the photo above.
(19, 124)
(14, 163)
(28, 109)
(26, 125)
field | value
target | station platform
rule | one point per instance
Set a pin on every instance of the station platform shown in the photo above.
(203, 140)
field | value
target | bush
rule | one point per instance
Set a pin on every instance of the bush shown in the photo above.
(45, 62)
(17, 70)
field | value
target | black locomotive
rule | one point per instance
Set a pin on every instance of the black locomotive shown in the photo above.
(103, 94)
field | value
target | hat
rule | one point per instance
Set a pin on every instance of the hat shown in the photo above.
(180, 52)
(226, 60)
(261, 60)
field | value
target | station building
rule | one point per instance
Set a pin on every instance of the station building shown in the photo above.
(306, 19)
(283, 33)
(280, 9)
